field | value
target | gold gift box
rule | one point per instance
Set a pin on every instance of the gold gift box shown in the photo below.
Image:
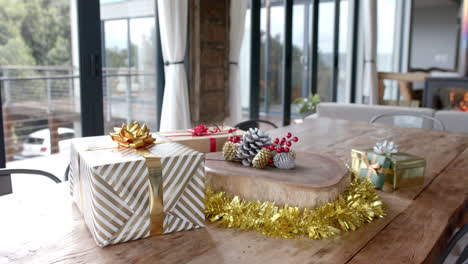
(205, 144)
(408, 169)
(126, 194)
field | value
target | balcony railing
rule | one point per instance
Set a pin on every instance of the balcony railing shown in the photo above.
(47, 98)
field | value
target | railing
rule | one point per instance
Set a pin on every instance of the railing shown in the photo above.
(44, 97)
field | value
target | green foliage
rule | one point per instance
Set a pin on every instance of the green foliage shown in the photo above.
(307, 104)
(117, 58)
(35, 32)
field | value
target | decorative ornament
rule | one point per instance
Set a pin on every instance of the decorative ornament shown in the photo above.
(132, 135)
(229, 150)
(261, 160)
(358, 205)
(284, 160)
(386, 147)
(256, 149)
(252, 142)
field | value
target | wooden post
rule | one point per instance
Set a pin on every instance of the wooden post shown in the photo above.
(10, 138)
(209, 60)
(54, 135)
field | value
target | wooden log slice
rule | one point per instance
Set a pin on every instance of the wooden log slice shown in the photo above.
(317, 179)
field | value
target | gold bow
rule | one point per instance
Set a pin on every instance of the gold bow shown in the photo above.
(132, 135)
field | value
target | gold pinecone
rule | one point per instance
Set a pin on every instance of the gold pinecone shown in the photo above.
(260, 160)
(293, 153)
(229, 150)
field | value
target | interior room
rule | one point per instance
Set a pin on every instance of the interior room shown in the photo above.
(234, 131)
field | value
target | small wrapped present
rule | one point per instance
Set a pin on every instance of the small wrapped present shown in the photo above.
(405, 170)
(139, 189)
(202, 138)
(408, 170)
(372, 166)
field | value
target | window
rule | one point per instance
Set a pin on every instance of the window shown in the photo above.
(129, 62)
(38, 75)
(66, 136)
(34, 141)
(271, 58)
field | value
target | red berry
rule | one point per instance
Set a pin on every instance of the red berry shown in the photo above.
(272, 147)
(276, 140)
(230, 139)
(283, 140)
(289, 135)
(270, 161)
(280, 149)
(286, 150)
(288, 143)
(295, 139)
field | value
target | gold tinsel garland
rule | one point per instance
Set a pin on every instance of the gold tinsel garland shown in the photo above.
(358, 205)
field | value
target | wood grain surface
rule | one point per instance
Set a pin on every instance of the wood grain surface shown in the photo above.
(315, 180)
(44, 227)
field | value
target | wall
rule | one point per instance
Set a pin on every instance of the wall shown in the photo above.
(434, 37)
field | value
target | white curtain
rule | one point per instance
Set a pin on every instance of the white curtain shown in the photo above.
(370, 50)
(238, 10)
(173, 17)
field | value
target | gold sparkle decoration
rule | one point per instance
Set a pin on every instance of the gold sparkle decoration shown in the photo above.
(132, 135)
(358, 205)
(260, 160)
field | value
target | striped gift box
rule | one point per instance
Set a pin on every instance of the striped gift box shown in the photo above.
(117, 189)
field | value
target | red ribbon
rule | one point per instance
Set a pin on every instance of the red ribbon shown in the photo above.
(212, 144)
(204, 131)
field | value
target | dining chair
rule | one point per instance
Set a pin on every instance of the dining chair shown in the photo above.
(6, 172)
(67, 171)
(411, 120)
(245, 125)
(456, 241)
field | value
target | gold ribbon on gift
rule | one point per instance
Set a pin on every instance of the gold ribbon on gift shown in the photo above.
(139, 138)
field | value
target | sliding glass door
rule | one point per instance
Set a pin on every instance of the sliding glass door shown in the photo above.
(39, 86)
(326, 53)
(129, 61)
(72, 68)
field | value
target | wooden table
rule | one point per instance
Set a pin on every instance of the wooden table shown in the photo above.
(46, 228)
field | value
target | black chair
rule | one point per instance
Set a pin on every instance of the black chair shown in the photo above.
(66, 173)
(6, 172)
(245, 125)
(453, 241)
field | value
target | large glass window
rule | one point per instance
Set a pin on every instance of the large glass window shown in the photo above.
(39, 86)
(271, 60)
(386, 49)
(271, 55)
(129, 58)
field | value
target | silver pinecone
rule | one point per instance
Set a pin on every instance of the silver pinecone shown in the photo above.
(284, 160)
(252, 142)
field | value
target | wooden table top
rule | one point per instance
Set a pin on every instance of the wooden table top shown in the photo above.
(45, 227)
